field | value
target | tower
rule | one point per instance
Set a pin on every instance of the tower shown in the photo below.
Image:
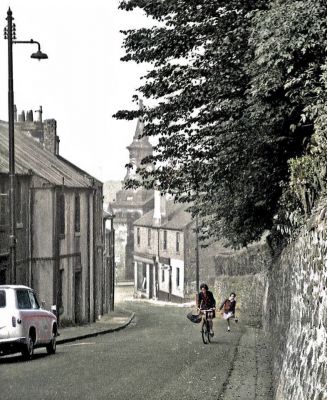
(131, 204)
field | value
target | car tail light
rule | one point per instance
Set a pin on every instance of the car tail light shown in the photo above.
(13, 320)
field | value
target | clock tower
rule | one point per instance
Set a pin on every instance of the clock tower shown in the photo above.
(131, 204)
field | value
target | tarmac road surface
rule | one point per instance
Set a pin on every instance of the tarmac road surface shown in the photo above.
(160, 355)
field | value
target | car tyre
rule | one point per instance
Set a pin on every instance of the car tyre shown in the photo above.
(28, 350)
(52, 346)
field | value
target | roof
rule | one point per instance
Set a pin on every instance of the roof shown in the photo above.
(178, 217)
(32, 158)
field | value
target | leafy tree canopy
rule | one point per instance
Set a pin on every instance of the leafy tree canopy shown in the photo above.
(237, 87)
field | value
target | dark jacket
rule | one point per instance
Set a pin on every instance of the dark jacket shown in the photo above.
(206, 302)
(232, 305)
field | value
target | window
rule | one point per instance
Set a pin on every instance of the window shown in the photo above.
(61, 214)
(33, 300)
(138, 236)
(149, 238)
(3, 278)
(2, 299)
(77, 213)
(162, 275)
(177, 277)
(23, 300)
(4, 205)
(177, 241)
(19, 203)
(165, 240)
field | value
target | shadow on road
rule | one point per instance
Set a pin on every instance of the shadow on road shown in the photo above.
(19, 359)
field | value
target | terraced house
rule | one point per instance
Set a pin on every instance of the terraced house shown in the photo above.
(164, 252)
(60, 224)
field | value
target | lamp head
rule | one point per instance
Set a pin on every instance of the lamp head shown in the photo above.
(39, 55)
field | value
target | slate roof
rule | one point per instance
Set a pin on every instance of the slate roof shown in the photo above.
(32, 158)
(178, 217)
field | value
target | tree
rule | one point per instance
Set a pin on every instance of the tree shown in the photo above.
(227, 113)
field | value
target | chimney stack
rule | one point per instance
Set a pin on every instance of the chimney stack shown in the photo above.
(21, 117)
(29, 116)
(39, 114)
(159, 212)
(51, 140)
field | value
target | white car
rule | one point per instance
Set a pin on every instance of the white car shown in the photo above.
(24, 325)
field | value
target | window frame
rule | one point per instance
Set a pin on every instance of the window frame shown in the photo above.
(4, 204)
(164, 241)
(77, 214)
(138, 236)
(178, 237)
(19, 202)
(22, 307)
(61, 206)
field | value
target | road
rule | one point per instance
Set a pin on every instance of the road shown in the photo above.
(159, 356)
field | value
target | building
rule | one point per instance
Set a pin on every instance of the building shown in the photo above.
(165, 252)
(60, 223)
(130, 205)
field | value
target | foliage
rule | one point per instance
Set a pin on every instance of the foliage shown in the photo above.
(239, 89)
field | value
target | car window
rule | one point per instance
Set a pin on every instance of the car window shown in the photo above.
(33, 300)
(23, 299)
(2, 299)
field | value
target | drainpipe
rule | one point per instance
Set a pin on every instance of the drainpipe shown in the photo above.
(95, 266)
(30, 233)
(56, 251)
(88, 257)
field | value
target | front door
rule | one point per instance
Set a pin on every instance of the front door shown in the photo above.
(3, 270)
(78, 297)
(151, 283)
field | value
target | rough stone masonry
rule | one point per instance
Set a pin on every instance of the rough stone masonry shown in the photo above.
(287, 296)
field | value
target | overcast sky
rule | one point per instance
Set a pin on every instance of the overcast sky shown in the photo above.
(82, 84)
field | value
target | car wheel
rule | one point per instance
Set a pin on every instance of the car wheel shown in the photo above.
(28, 349)
(52, 346)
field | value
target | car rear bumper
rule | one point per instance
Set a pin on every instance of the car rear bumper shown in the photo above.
(11, 345)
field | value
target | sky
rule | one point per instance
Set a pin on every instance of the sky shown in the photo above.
(83, 83)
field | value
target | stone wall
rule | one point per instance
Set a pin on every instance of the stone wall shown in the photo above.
(288, 296)
(245, 273)
(297, 317)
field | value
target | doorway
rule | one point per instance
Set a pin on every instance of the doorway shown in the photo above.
(78, 297)
(4, 270)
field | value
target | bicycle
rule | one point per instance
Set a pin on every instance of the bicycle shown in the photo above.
(205, 328)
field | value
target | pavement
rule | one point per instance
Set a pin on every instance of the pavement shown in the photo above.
(250, 373)
(108, 323)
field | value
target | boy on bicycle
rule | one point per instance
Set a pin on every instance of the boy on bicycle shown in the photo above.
(205, 301)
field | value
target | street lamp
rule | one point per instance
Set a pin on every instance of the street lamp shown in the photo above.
(10, 35)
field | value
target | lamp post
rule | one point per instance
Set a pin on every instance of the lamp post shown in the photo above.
(10, 35)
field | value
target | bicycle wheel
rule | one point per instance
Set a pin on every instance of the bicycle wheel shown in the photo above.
(204, 332)
(208, 332)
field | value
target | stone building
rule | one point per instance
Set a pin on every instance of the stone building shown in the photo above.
(164, 252)
(60, 225)
(130, 205)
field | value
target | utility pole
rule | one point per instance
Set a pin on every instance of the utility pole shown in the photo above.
(197, 261)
